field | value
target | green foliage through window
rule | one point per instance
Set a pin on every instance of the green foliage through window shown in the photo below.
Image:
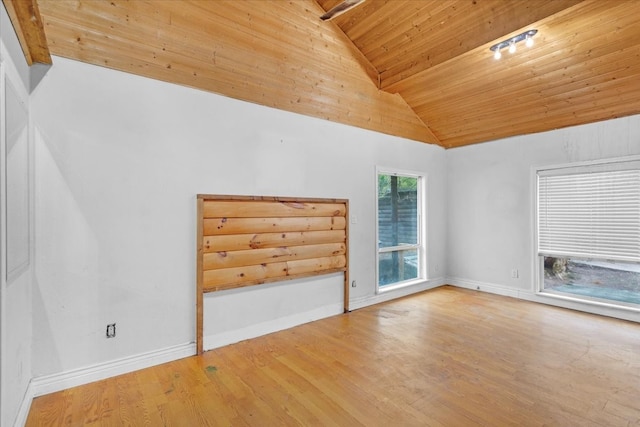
(404, 183)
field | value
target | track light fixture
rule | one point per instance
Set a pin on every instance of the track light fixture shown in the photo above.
(528, 41)
(511, 43)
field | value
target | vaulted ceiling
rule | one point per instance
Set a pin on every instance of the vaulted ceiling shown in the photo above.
(419, 69)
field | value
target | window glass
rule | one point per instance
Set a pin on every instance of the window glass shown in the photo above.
(397, 210)
(588, 231)
(399, 214)
(593, 279)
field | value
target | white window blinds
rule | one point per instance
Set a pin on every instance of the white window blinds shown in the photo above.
(590, 212)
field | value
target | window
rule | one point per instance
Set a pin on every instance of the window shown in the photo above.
(588, 231)
(400, 235)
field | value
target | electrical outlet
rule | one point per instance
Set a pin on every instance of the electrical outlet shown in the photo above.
(353, 283)
(111, 330)
(514, 273)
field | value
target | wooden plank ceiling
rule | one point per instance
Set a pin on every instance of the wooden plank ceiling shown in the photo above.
(419, 69)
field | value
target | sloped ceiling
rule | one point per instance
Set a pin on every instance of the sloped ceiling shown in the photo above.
(419, 69)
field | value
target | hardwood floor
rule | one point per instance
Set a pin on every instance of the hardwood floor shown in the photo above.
(446, 357)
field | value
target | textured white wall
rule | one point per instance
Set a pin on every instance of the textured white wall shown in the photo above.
(119, 161)
(490, 205)
(15, 294)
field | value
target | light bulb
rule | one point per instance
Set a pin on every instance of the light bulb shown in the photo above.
(510, 44)
(529, 41)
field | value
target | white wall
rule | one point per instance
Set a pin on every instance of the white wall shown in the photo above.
(15, 223)
(490, 205)
(119, 160)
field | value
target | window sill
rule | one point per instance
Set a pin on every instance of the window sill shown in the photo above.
(400, 285)
(586, 301)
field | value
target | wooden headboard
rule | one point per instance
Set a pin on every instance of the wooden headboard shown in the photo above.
(250, 240)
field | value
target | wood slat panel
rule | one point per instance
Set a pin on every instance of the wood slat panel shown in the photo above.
(221, 226)
(251, 240)
(315, 265)
(199, 281)
(269, 209)
(237, 242)
(230, 278)
(216, 260)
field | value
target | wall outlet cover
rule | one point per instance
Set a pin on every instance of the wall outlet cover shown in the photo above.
(111, 330)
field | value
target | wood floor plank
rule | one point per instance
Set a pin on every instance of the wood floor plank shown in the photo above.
(445, 357)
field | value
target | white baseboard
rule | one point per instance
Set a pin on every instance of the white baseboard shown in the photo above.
(485, 287)
(55, 382)
(25, 406)
(396, 293)
(212, 341)
(221, 339)
(548, 299)
(63, 380)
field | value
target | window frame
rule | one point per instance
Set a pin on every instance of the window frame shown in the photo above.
(610, 164)
(420, 246)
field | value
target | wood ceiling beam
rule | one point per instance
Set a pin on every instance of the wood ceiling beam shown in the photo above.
(360, 58)
(27, 23)
(374, 74)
